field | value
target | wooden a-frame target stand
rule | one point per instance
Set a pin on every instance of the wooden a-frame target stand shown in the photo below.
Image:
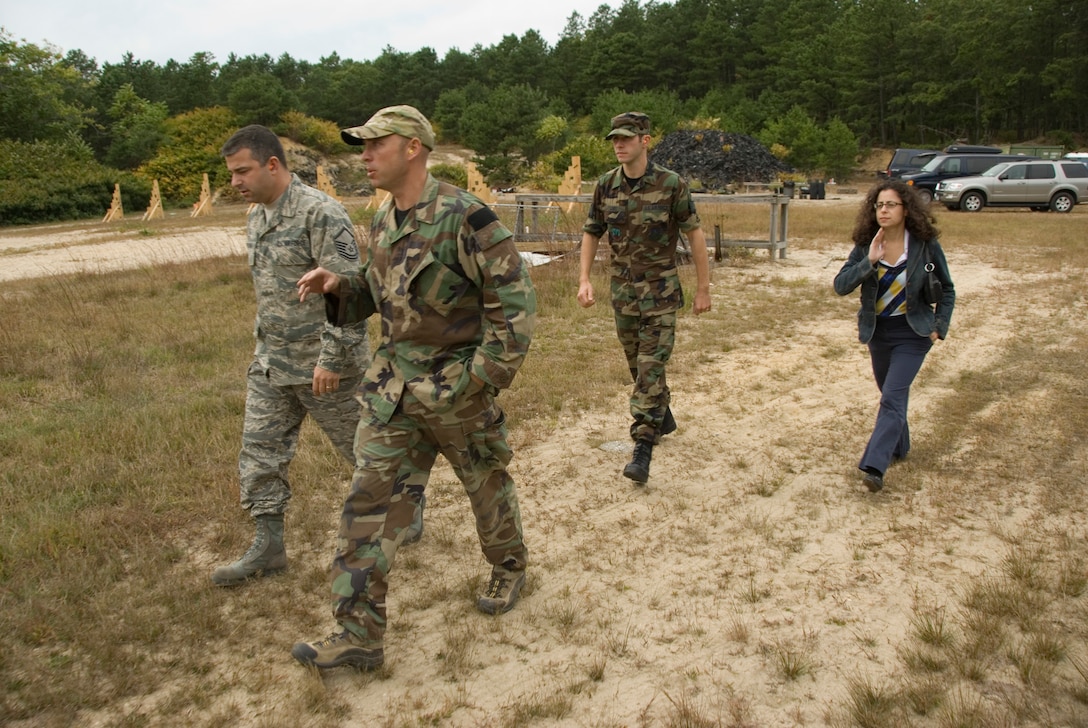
(154, 208)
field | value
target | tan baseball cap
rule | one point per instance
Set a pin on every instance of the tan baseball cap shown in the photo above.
(406, 121)
(632, 123)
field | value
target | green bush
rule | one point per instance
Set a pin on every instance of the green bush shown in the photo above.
(809, 147)
(501, 170)
(192, 148)
(324, 136)
(542, 176)
(840, 150)
(455, 174)
(52, 181)
(363, 217)
(594, 151)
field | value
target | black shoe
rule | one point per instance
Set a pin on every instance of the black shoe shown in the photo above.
(668, 423)
(873, 481)
(638, 469)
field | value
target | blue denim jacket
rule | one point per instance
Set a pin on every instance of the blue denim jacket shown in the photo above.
(924, 320)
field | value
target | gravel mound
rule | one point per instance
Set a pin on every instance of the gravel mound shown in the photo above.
(715, 159)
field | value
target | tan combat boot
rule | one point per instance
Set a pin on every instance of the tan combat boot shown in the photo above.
(339, 648)
(415, 531)
(503, 589)
(265, 556)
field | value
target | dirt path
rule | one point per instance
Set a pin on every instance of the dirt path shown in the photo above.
(44, 250)
(754, 550)
(748, 583)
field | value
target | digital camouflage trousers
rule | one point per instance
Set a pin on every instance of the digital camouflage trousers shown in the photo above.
(273, 418)
(393, 464)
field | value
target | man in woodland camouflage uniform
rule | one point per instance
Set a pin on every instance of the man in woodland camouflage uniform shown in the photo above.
(643, 208)
(301, 364)
(457, 310)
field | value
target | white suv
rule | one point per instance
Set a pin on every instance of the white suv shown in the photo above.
(1038, 184)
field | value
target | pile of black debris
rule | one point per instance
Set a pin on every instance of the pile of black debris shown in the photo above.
(715, 161)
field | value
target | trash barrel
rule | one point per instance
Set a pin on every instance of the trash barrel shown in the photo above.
(787, 188)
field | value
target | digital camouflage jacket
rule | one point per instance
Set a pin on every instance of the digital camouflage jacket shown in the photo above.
(454, 296)
(643, 227)
(307, 229)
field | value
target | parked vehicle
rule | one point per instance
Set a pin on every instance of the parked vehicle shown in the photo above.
(1081, 157)
(907, 160)
(947, 166)
(1040, 185)
(971, 149)
(1042, 151)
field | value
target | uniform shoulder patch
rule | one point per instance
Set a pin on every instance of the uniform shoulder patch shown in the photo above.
(482, 218)
(345, 244)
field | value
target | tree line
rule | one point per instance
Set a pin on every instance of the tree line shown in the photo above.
(891, 72)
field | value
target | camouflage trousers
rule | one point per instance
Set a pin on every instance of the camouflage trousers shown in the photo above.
(393, 464)
(274, 415)
(647, 341)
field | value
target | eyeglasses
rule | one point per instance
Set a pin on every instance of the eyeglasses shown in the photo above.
(888, 204)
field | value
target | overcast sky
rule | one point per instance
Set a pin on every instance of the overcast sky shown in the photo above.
(306, 29)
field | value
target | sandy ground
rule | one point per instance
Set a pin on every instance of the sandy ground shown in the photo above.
(753, 544)
(44, 250)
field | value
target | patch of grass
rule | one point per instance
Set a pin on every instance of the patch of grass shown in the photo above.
(737, 630)
(766, 486)
(618, 644)
(964, 709)
(688, 711)
(457, 648)
(122, 399)
(922, 658)
(792, 660)
(925, 696)
(871, 704)
(930, 627)
(540, 705)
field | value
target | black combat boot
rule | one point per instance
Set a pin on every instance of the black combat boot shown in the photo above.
(668, 423)
(638, 469)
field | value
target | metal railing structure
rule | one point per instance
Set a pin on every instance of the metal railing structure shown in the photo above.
(552, 224)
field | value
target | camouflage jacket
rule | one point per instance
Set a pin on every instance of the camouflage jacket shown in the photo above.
(643, 227)
(307, 229)
(454, 296)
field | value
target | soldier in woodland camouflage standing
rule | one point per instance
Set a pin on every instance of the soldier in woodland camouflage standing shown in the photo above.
(457, 310)
(301, 363)
(643, 208)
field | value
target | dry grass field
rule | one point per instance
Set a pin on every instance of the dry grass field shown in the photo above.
(753, 582)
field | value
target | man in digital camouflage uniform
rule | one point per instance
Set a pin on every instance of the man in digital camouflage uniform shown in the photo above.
(643, 208)
(301, 363)
(457, 311)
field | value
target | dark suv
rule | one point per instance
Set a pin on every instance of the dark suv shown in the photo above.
(907, 160)
(947, 166)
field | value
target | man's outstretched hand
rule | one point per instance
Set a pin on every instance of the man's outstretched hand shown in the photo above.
(318, 280)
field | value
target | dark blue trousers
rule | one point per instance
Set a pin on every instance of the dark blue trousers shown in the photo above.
(897, 354)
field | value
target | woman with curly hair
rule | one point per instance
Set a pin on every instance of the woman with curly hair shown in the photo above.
(889, 261)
